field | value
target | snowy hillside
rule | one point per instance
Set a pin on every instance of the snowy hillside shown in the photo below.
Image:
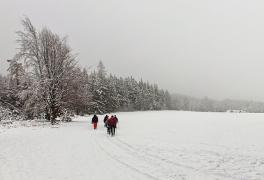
(148, 145)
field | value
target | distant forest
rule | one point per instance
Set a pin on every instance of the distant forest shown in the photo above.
(188, 103)
(44, 80)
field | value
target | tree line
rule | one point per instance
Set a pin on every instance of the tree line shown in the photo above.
(188, 103)
(44, 80)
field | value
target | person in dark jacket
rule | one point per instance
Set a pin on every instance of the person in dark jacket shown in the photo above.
(112, 124)
(95, 121)
(106, 118)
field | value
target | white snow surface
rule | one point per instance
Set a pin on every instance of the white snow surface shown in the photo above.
(160, 145)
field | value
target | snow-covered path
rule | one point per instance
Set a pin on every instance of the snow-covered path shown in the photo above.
(148, 145)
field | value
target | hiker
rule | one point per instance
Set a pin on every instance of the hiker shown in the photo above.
(95, 121)
(105, 119)
(112, 123)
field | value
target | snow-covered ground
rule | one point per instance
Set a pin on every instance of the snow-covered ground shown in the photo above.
(148, 145)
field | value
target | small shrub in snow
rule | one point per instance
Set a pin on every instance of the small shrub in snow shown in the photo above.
(9, 115)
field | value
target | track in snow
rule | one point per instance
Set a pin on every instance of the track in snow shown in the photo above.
(191, 146)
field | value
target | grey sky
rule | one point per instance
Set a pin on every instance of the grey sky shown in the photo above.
(211, 48)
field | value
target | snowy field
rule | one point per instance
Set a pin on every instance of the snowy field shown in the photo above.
(148, 145)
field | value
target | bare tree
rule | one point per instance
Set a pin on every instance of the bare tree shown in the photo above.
(49, 62)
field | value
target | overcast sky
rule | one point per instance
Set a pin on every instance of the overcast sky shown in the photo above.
(212, 48)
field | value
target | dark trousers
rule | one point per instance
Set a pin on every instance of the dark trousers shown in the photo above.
(108, 129)
(112, 130)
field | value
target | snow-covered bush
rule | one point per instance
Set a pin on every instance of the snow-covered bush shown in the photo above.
(9, 118)
(7, 115)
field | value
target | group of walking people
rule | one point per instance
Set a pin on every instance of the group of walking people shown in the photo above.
(110, 122)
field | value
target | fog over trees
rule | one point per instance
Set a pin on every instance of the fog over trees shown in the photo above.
(44, 80)
(188, 103)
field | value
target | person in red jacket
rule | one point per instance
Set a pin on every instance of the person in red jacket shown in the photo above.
(116, 119)
(112, 124)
